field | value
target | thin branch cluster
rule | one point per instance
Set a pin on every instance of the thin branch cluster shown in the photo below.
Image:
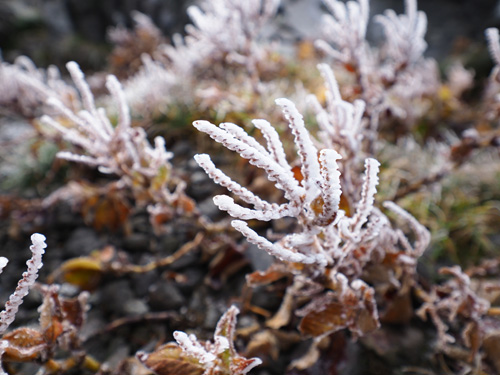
(395, 76)
(26, 87)
(119, 149)
(328, 241)
(223, 33)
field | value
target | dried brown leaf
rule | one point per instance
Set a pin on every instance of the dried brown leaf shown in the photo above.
(24, 344)
(330, 318)
(263, 343)
(273, 273)
(284, 314)
(169, 359)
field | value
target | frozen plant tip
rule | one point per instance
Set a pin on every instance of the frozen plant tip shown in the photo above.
(208, 358)
(37, 248)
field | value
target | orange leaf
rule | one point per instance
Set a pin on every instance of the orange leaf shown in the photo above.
(25, 344)
(272, 274)
(297, 174)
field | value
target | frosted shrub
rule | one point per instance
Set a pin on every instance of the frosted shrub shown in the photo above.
(333, 248)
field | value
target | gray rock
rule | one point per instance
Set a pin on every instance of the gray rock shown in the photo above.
(135, 307)
(136, 242)
(259, 259)
(113, 297)
(81, 242)
(165, 296)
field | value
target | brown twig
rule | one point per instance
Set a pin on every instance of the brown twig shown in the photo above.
(186, 248)
(128, 320)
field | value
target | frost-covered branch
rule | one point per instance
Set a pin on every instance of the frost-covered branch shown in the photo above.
(394, 76)
(327, 235)
(37, 248)
(217, 357)
(119, 149)
(25, 87)
(221, 29)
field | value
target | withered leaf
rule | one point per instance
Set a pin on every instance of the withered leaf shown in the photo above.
(473, 339)
(284, 314)
(399, 310)
(25, 344)
(241, 365)
(263, 343)
(331, 318)
(169, 359)
(491, 347)
(320, 319)
(110, 214)
(273, 273)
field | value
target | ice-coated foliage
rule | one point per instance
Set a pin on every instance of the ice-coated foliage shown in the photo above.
(24, 285)
(221, 29)
(120, 149)
(395, 76)
(26, 87)
(340, 232)
(222, 33)
(37, 248)
(327, 237)
(190, 355)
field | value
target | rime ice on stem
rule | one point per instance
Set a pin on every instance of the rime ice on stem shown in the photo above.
(25, 87)
(37, 248)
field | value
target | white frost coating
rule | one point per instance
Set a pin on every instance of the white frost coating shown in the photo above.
(405, 33)
(306, 150)
(29, 277)
(82, 86)
(243, 136)
(274, 249)
(423, 236)
(219, 354)
(191, 346)
(325, 236)
(275, 172)
(221, 344)
(3, 263)
(274, 144)
(122, 150)
(116, 90)
(222, 179)
(330, 183)
(226, 203)
(345, 28)
(365, 205)
(492, 36)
